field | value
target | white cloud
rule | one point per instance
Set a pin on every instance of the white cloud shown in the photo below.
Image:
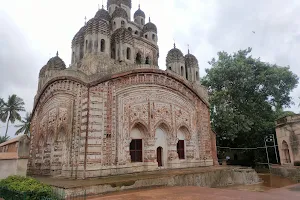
(33, 30)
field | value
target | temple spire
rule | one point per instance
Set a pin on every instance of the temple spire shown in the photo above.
(149, 19)
(188, 49)
(85, 20)
(102, 5)
(56, 53)
(174, 43)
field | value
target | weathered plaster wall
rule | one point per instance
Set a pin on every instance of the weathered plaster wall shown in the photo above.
(9, 167)
(288, 139)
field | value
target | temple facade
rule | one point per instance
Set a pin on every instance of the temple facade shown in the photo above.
(113, 111)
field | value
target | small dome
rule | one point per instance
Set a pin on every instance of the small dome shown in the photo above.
(55, 63)
(120, 12)
(122, 35)
(118, 2)
(191, 60)
(79, 35)
(175, 55)
(150, 27)
(102, 14)
(139, 13)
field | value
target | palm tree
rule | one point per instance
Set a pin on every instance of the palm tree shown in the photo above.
(25, 126)
(11, 109)
(3, 139)
(1, 106)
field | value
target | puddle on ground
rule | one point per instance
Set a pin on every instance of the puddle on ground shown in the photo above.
(268, 182)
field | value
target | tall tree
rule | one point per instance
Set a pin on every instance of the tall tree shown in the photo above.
(25, 126)
(246, 96)
(10, 111)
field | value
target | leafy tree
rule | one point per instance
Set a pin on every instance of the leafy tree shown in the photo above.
(25, 126)
(246, 97)
(4, 139)
(11, 109)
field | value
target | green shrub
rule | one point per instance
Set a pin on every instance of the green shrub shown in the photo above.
(25, 186)
(296, 163)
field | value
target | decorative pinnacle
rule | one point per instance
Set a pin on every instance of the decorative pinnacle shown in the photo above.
(139, 6)
(56, 53)
(174, 43)
(188, 49)
(99, 7)
(85, 20)
(149, 19)
(102, 5)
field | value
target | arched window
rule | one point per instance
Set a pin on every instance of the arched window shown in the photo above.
(142, 21)
(136, 32)
(138, 59)
(90, 46)
(128, 53)
(286, 152)
(113, 53)
(86, 45)
(130, 29)
(114, 24)
(73, 57)
(96, 45)
(186, 73)
(122, 23)
(153, 37)
(170, 68)
(147, 60)
(102, 45)
(146, 36)
(81, 53)
(182, 71)
(197, 76)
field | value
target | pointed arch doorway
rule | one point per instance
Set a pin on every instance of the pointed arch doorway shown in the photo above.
(159, 152)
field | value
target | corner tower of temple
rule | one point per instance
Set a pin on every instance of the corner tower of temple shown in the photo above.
(185, 66)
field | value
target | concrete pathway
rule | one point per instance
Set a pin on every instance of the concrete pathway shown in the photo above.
(199, 193)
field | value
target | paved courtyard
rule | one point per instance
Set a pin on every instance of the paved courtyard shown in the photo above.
(198, 193)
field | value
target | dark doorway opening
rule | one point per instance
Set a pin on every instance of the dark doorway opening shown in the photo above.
(159, 156)
(136, 150)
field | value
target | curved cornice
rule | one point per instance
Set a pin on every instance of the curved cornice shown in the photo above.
(90, 81)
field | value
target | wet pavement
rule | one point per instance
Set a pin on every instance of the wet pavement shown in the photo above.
(272, 188)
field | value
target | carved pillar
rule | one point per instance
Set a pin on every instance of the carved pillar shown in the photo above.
(172, 148)
(149, 149)
(190, 149)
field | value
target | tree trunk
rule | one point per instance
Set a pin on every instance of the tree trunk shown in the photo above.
(6, 127)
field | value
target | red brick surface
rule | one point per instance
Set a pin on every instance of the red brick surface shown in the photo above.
(198, 193)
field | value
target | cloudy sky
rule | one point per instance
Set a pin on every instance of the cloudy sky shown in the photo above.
(33, 30)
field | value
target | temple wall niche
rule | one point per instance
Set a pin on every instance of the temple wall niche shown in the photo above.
(52, 134)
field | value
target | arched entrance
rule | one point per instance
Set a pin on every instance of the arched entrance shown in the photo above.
(159, 152)
(137, 135)
(161, 144)
(286, 152)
